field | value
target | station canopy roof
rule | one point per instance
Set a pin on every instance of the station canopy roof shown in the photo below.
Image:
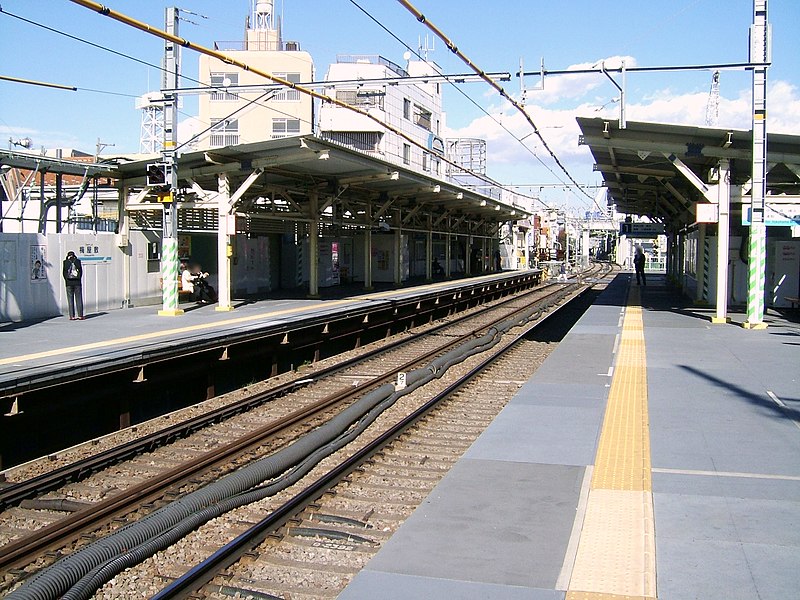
(643, 180)
(298, 166)
(31, 161)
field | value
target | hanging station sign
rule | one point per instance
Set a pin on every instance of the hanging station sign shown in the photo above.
(641, 230)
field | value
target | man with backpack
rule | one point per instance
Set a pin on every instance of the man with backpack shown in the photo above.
(73, 272)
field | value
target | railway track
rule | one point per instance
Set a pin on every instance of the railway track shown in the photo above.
(312, 546)
(142, 485)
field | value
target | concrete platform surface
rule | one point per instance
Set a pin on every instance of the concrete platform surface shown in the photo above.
(36, 349)
(723, 449)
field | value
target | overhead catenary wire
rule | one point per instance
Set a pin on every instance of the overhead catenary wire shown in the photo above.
(500, 90)
(257, 101)
(227, 59)
(131, 58)
(205, 86)
(467, 96)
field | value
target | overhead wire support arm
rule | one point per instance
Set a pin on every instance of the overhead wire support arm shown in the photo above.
(454, 49)
(58, 86)
(722, 67)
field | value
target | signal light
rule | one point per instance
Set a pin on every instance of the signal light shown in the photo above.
(157, 174)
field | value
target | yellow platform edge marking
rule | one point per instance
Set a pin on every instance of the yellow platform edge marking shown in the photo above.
(203, 326)
(616, 550)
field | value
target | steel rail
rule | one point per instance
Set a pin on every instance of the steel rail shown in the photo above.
(23, 550)
(15, 493)
(193, 580)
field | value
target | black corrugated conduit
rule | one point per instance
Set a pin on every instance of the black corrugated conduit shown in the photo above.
(82, 573)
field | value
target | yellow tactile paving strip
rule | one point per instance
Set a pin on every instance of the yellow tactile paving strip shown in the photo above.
(616, 551)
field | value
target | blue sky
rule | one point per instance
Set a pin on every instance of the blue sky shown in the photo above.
(495, 35)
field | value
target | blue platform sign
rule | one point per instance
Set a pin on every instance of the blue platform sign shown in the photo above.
(775, 214)
(641, 230)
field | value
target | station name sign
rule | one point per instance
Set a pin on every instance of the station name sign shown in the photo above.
(776, 214)
(642, 230)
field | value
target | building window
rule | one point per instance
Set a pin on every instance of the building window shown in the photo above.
(426, 161)
(406, 108)
(365, 99)
(367, 141)
(422, 117)
(282, 128)
(224, 132)
(406, 154)
(220, 82)
(286, 94)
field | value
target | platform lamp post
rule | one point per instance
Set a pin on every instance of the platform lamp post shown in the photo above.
(169, 239)
(760, 52)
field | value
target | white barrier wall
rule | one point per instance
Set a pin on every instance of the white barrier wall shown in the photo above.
(31, 283)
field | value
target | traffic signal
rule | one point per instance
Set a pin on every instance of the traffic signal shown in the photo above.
(157, 174)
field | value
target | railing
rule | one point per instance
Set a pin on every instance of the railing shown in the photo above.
(372, 59)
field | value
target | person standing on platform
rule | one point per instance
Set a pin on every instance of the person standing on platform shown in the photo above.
(638, 265)
(73, 273)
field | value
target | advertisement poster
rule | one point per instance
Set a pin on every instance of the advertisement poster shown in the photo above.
(38, 263)
(184, 246)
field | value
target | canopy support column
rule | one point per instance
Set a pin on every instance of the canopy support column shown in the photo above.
(723, 241)
(368, 249)
(313, 246)
(223, 244)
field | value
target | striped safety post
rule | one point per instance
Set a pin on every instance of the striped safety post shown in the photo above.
(706, 267)
(299, 264)
(169, 275)
(757, 270)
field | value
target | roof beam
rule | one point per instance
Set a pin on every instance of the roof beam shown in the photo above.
(242, 189)
(632, 144)
(691, 176)
(626, 170)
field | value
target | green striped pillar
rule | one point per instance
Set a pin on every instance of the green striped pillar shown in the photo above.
(757, 270)
(169, 278)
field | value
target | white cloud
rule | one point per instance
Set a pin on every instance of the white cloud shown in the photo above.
(41, 138)
(558, 88)
(508, 160)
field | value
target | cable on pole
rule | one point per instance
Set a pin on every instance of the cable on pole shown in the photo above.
(454, 49)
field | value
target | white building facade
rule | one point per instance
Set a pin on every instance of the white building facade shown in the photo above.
(237, 116)
(413, 108)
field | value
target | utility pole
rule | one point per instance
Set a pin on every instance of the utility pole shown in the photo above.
(169, 238)
(760, 53)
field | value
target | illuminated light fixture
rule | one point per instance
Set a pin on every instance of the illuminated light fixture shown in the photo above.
(324, 155)
(436, 189)
(394, 175)
(483, 202)
(459, 196)
(303, 144)
(497, 207)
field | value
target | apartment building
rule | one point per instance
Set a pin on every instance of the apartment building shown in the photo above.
(238, 114)
(393, 95)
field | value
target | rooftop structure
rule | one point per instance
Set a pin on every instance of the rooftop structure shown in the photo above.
(255, 115)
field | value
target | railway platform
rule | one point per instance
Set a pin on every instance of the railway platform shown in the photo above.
(653, 455)
(47, 352)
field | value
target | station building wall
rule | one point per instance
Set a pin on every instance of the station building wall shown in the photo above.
(30, 292)
(782, 274)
